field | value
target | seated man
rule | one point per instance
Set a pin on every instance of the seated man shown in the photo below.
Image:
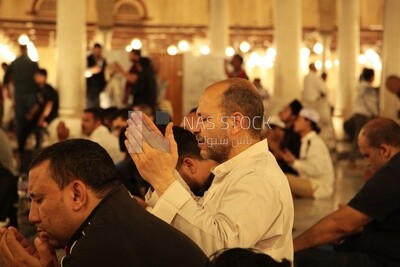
(314, 165)
(375, 208)
(291, 139)
(249, 203)
(78, 203)
(94, 130)
(193, 171)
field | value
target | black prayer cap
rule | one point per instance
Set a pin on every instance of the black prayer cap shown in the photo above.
(295, 106)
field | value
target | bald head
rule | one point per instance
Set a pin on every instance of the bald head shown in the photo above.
(393, 84)
(239, 95)
(382, 131)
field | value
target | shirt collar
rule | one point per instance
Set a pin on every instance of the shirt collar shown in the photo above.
(308, 136)
(226, 167)
(81, 230)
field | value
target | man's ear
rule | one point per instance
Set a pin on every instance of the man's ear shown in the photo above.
(385, 151)
(79, 194)
(190, 164)
(238, 122)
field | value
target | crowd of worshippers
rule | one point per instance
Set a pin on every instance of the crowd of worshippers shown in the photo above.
(216, 191)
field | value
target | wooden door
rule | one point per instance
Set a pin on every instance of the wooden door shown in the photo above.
(170, 68)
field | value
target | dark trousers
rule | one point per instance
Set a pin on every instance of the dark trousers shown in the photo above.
(23, 104)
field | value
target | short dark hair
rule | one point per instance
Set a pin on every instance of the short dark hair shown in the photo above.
(187, 144)
(367, 74)
(243, 96)
(97, 45)
(42, 72)
(238, 257)
(238, 57)
(137, 52)
(382, 131)
(98, 113)
(83, 160)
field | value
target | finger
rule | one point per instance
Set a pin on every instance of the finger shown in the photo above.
(135, 139)
(140, 133)
(16, 248)
(24, 241)
(169, 133)
(6, 256)
(46, 252)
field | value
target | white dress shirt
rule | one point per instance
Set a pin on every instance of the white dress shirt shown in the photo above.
(108, 141)
(367, 102)
(313, 87)
(315, 164)
(249, 204)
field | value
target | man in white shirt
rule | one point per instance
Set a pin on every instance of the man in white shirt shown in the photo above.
(314, 87)
(249, 203)
(94, 130)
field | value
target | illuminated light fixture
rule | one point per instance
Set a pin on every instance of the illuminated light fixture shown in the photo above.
(32, 52)
(183, 45)
(128, 48)
(205, 50)
(271, 53)
(371, 55)
(23, 39)
(229, 51)
(304, 53)
(362, 59)
(318, 48)
(136, 44)
(328, 64)
(172, 50)
(254, 60)
(6, 53)
(318, 64)
(244, 46)
(336, 62)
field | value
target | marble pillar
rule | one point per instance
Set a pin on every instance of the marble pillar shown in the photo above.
(287, 40)
(71, 56)
(219, 27)
(348, 51)
(389, 103)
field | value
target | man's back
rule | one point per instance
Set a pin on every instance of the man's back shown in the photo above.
(22, 70)
(121, 233)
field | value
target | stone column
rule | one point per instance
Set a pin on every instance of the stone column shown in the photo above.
(348, 50)
(389, 103)
(287, 39)
(219, 27)
(71, 56)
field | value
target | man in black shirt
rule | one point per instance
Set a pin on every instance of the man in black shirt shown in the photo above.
(95, 77)
(46, 107)
(375, 209)
(80, 204)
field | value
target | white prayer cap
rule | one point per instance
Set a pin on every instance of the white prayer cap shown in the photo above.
(276, 121)
(310, 114)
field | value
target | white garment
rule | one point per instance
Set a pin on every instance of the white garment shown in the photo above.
(367, 102)
(108, 141)
(115, 91)
(6, 153)
(249, 204)
(315, 164)
(313, 88)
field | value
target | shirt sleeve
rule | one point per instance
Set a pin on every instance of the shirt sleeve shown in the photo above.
(380, 196)
(238, 219)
